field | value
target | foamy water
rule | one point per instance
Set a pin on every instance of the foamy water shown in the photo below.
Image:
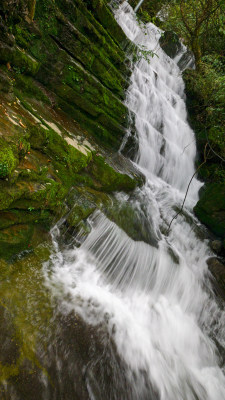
(151, 298)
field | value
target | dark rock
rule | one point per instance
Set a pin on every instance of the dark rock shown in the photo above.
(187, 59)
(216, 246)
(210, 209)
(217, 268)
(170, 43)
(6, 85)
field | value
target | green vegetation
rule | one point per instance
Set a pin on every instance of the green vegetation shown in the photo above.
(62, 80)
(211, 208)
(107, 178)
(200, 24)
(8, 158)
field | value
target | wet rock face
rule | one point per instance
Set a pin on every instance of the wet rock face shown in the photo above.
(63, 77)
(210, 209)
(217, 268)
(170, 43)
(216, 246)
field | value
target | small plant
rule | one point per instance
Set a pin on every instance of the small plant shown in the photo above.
(31, 208)
(142, 53)
(4, 170)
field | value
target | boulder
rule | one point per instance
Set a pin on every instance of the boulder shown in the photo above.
(217, 268)
(170, 43)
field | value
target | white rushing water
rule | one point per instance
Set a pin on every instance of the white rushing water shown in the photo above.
(152, 299)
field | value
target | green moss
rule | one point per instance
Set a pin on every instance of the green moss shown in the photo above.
(84, 179)
(19, 59)
(107, 178)
(81, 209)
(29, 86)
(6, 84)
(40, 195)
(45, 14)
(80, 65)
(205, 101)
(23, 36)
(25, 62)
(15, 239)
(210, 209)
(8, 158)
(51, 143)
(81, 90)
(48, 195)
(16, 216)
(27, 306)
(102, 135)
(132, 220)
(106, 18)
(91, 57)
(212, 172)
(82, 201)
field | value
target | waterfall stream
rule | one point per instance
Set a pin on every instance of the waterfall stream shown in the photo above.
(153, 297)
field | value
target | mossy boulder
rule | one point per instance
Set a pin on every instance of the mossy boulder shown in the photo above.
(210, 209)
(81, 206)
(107, 178)
(133, 220)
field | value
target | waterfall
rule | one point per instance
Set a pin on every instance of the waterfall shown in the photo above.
(152, 297)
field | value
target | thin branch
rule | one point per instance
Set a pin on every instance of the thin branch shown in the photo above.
(181, 209)
(187, 146)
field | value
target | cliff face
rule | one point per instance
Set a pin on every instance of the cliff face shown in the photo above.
(63, 75)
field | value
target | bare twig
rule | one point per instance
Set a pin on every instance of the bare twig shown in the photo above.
(181, 209)
(187, 146)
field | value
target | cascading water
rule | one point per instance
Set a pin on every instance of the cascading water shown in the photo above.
(152, 296)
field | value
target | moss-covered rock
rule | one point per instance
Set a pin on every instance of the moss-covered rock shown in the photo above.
(8, 158)
(107, 178)
(210, 209)
(81, 206)
(105, 17)
(25, 313)
(20, 60)
(15, 239)
(133, 220)
(63, 76)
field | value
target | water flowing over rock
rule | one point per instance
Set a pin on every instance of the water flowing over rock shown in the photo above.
(152, 297)
(127, 310)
